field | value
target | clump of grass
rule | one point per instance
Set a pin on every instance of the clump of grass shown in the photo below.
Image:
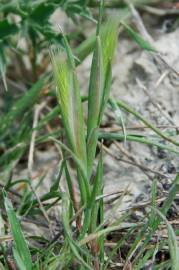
(82, 145)
(83, 149)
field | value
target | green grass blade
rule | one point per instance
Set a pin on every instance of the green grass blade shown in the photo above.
(92, 207)
(102, 238)
(108, 36)
(171, 195)
(73, 246)
(98, 234)
(127, 108)
(118, 116)
(97, 186)
(94, 102)
(100, 80)
(97, 216)
(82, 174)
(91, 149)
(75, 158)
(138, 39)
(135, 138)
(57, 179)
(19, 261)
(144, 260)
(100, 16)
(21, 106)
(70, 184)
(152, 225)
(154, 204)
(106, 91)
(19, 240)
(95, 88)
(172, 242)
(119, 244)
(86, 47)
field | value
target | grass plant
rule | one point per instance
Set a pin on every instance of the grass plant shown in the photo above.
(82, 238)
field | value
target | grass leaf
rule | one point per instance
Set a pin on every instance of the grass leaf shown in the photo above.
(21, 248)
(127, 108)
(94, 102)
(95, 88)
(138, 39)
(22, 105)
(18, 260)
(73, 246)
(100, 81)
(136, 138)
(172, 242)
(108, 36)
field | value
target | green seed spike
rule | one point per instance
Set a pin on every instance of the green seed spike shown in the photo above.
(70, 101)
